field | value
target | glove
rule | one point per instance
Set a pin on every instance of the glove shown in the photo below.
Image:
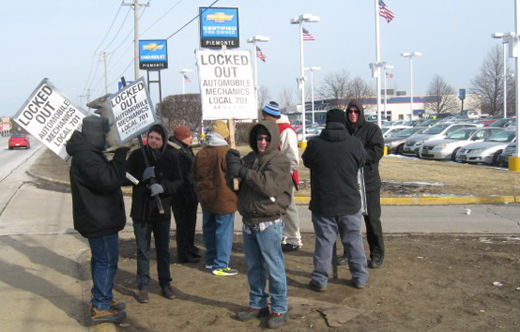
(234, 163)
(156, 189)
(149, 172)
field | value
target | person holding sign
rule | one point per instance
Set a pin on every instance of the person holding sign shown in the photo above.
(263, 198)
(218, 201)
(98, 210)
(162, 177)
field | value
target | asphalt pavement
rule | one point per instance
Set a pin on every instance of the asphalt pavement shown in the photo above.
(44, 262)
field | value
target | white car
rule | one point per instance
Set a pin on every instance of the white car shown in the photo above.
(446, 149)
(391, 131)
(414, 143)
(488, 151)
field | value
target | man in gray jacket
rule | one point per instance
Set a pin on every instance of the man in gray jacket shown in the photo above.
(263, 197)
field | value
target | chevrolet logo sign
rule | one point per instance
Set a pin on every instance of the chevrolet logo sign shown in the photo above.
(219, 17)
(153, 47)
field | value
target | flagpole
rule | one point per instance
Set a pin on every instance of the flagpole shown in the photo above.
(378, 64)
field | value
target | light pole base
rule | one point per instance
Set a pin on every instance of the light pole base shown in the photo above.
(514, 164)
(302, 144)
(385, 150)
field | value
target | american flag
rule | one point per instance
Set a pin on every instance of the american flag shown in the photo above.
(259, 54)
(307, 35)
(385, 12)
(389, 75)
(186, 78)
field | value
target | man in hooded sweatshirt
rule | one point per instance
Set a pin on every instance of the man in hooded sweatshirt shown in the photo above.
(334, 159)
(158, 171)
(263, 198)
(373, 142)
(98, 210)
(218, 201)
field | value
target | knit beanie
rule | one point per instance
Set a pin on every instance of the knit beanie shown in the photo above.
(94, 130)
(261, 130)
(336, 115)
(181, 132)
(272, 109)
(221, 128)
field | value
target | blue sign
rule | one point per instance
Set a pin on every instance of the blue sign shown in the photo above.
(219, 27)
(462, 94)
(153, 54)
(120, 84)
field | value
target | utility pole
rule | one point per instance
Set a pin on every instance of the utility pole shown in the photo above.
(104, 55)
(136, 5)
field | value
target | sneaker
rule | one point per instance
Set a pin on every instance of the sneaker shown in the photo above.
(358, 284)
(227, 271)
(251, 313)
(106, 316)
(142, 296)
(167, 292)
(375, 262)
(315, 287)
(208, 267)
(276, 320)
(343, 260)
(287, 247)
(117, 306)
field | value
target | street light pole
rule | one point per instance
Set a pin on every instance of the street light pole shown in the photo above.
(299, 20)
(506, 39)
(312, 70)
(254, 39)
(514, 162)
(410, 55)
(386, 68)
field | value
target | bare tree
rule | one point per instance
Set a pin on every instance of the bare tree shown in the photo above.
(285, 98)
(263, 97)
(445, 101)
(177, 110)
(359, 89)
(335, 85)
(489, 83)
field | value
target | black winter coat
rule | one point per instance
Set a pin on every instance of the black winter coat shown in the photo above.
(168, 174)
(186, 195)
(334, 159)
(372, 138)
(97, 200)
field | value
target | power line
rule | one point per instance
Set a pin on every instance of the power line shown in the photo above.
(160, 18)
(193, 19)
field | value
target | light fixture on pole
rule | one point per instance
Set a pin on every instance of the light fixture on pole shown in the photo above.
(183, 72)
(312, 70)
(301, 80)
(506, 38)
(254, 40)
(410, 55)
(386, 67)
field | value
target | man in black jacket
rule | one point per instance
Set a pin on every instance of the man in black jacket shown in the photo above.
(98, 210)
(372, 139)
(334, 159)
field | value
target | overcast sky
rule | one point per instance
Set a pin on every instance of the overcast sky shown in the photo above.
(59, 39)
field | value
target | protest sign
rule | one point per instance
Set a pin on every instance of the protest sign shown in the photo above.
(51, 117)
(133, 111)
(227, 88)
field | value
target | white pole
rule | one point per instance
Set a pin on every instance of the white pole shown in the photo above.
(411, 88)
(183, 86)
(378, 67)
(302, 81)
(384, 116)
(256, 73)
(505, 78)
(517, 77)
(312, 95)
(136, 40)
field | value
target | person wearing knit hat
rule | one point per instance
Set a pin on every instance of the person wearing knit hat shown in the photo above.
(220, 128)
(292, 239)
(336, 116)
(185, 200)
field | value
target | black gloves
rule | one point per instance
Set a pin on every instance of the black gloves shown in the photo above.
(234, 164)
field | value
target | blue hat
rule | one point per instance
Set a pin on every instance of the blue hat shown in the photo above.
(272, 109)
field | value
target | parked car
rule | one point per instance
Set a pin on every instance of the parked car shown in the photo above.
(395, 143)
(18, 140)
(414, 143)
(504, 122)
(310, 132)
(503, 158)
(446, 149)
(486, 152)
(390, 131)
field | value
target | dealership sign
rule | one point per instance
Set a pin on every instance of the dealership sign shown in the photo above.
(218, 27)
(51, 117)
(133, 111)
(153, 54)
(226, 84)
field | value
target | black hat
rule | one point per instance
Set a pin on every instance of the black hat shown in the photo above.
(336, 115)
(94, 130)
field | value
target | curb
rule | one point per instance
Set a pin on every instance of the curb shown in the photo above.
(456, 200)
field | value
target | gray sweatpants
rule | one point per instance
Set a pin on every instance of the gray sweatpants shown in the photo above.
(326, 230)
(291, 225)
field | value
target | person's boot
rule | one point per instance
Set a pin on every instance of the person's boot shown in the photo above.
(251, 313)
(106, 316)
(167, 292)
(142, 296)
(117, 306)
(375, 262)
(276, 320)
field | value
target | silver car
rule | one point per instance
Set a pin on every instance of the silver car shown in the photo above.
(486, 152)
(395, 142)
(446, 149)
(503, 158)
(414, 143)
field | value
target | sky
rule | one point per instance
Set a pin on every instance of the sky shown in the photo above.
(63, 40)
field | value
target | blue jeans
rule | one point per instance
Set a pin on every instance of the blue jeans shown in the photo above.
(217, 234)
(143, 234)
(264, 256)
(103, 266)
(326, 230)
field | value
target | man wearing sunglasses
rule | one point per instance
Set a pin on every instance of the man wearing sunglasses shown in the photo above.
(372, 139)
